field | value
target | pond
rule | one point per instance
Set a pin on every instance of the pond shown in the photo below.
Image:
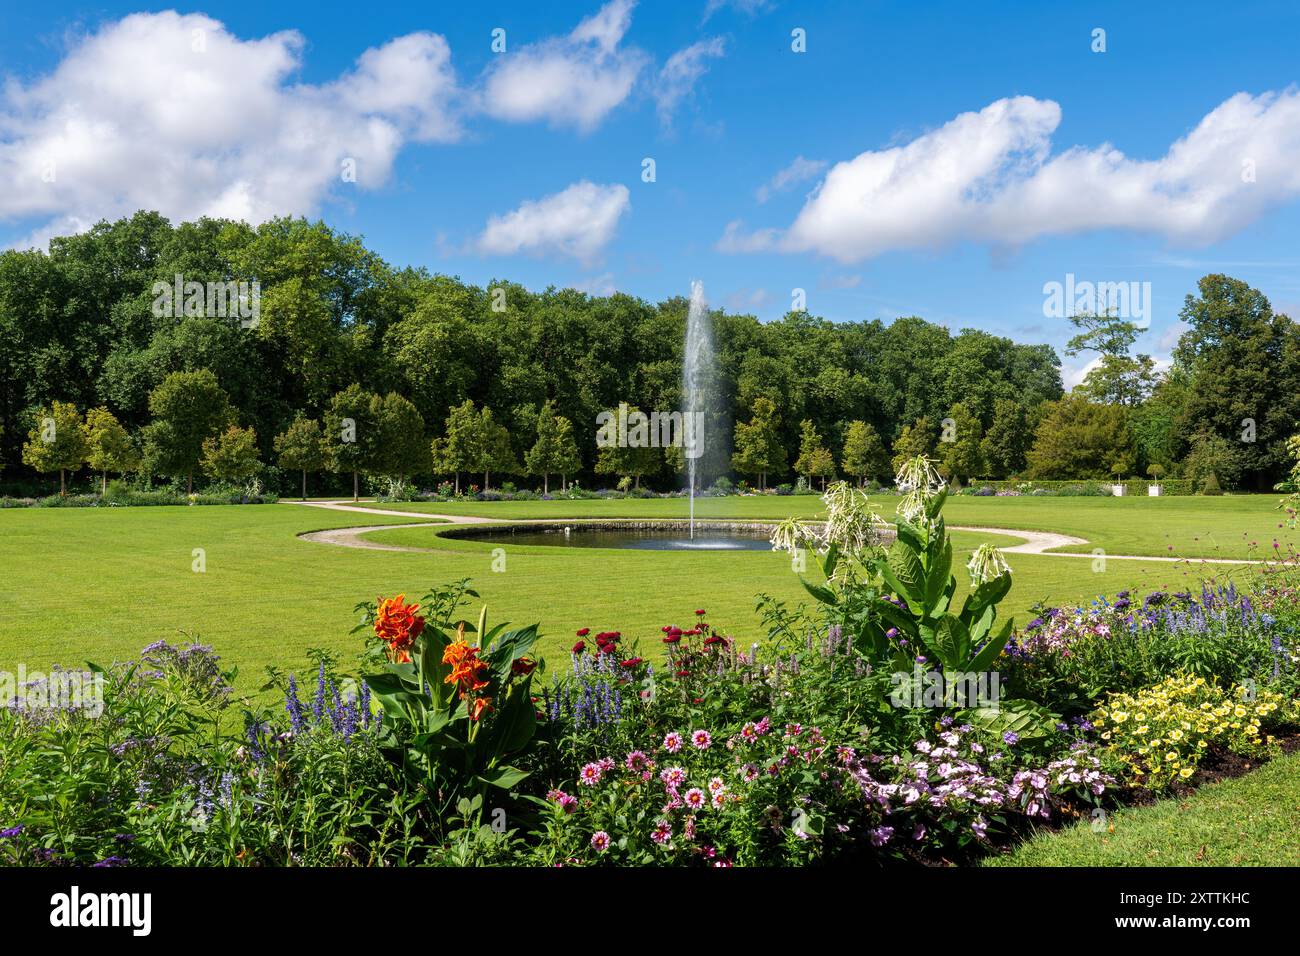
(640, 539)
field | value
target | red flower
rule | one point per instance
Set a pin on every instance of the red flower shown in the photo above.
(631, 662)
(579, 647)
(583, 632)
(673, 638)
(700, 613)
(522, 666)
(713, 640)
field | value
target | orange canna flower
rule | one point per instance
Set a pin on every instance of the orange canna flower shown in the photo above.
(466, 669)
(478, 705)
(397, 623)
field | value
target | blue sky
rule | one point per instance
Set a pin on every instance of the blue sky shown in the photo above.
(973, 154)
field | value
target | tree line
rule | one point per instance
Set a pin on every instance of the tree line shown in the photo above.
(431, 376)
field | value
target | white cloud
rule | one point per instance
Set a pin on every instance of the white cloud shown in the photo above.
(569, 81)
(799, 171)
(174, 113)
(677, 79)
(577, 222)
(749, 7)
(987, 176)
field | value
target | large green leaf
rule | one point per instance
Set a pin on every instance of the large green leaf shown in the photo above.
(822, 593)
(503, 777)
(990, 651)
(906, 576)
(936, 578)
(951, 641)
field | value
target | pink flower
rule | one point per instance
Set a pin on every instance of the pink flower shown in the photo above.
(589, 776)
(662, 833)
(673, 776)
(701, 739)
(600, 841)
(716, 785)
(673, 742)
(635, 760)
(695, 798)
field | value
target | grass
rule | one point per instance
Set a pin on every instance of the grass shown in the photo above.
(1253, 820)
(99, 584)
(1232, 526)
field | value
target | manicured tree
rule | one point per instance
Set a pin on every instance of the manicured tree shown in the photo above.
(351, 434)
(914, 441)
(815, 460)
(569, 460)
(549, 452)
(232, 455)
(864, 453)
(628, 459)
(108, 446)
(403, 448)
(57, 442)
(1212, 454)
(1156, 472)
(1211, 485)
(495, 451)
(188, 408)
(759, 450)
(460, 447)
(300, 448)
(959, 445)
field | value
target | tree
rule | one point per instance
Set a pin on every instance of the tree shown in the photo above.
(914, 441)
(1079, 439)
(403, 449)
(232, 455)
(188, 408)
(864, 453)
(108, 446)
(959, 445)
(351, 438)
(57, 442)
(1242, 365)
(1117, 378)
(570, 459)
(758, 446)
(815, 459)
(301, 448)
(1008, 439)
(495, 451)
(1213, 456)
(627, 458)
(555, 450)
(459, 449)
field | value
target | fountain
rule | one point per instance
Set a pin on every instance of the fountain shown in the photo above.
(697, 374)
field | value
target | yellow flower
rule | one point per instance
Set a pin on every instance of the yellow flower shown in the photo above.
(1185, 772)
(1172, 755)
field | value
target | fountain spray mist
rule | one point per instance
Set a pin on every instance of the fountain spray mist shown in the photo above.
(697, 376)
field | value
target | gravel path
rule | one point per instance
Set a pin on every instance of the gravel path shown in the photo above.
(1035, 542)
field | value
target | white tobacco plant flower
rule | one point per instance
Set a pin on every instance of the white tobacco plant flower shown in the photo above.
(919, 483)
(986, 564)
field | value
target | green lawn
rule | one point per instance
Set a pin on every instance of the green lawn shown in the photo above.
(1232, 526)
(98, 584)
(1250, 821)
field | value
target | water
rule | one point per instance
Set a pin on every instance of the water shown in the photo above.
(698, 369)
(650, 539)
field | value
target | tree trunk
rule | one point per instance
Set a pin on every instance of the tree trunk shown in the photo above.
(458, 484)
(637, 484)
(189, 483)
(103, 483)
(304, 484)
(546, 488)
(355, 484)
(63, 482)
(487, 476)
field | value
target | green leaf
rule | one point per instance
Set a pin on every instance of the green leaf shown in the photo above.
(823, 594)
(504, 777)
(908, 576)
(990, 651)
(936, 578)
